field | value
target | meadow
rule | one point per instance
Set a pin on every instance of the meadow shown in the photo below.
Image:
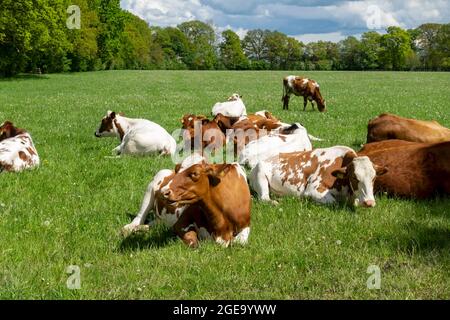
(70, 211)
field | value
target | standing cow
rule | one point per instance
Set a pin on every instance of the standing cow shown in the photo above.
(307, 88)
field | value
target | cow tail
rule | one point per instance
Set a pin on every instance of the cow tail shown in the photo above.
(312, 138)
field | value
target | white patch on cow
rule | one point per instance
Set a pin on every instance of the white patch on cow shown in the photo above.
(305, 81)
(191, 160)
(365, 173)
(242, 237)
(261, 113)
(222, 242)
(240, 170)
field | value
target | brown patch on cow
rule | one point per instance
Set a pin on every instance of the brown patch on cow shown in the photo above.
(31, 151)
(119, 129)
(5, 167)
(389, 126)
(106, 125)
(414, 170)
(23, 156)
(8, 130)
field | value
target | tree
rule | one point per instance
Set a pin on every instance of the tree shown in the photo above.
(202, 39)
(443, 46)
(254, 45)
(370, 48)
(351, 55)
(84, 52)
(231, 53)
(135, 43)
(395, 48)
(32, 35)
(112, 20)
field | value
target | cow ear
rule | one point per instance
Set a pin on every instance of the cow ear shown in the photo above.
(177, 167)
(112, 115)
(205, 121)
(214, 180)
(380, 170)
(121, 114)
(340, 173)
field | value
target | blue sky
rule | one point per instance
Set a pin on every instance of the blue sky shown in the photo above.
(307, 20)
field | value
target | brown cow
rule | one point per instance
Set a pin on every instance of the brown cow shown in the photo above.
(389, 126)
(207, 131)
(307, 88)
(415, 170)
(223, 214)
(220, 192)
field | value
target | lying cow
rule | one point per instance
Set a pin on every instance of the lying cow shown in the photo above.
(234, 107)
(137, 136)
(200, 201)
(307, 88)
(17, 151)
(389, 126)
(416, 170)
(325, 175)
(292, 139)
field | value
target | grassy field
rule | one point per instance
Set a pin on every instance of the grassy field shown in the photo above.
(70, 211)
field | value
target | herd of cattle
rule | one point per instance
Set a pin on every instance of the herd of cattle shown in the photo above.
(201, 200)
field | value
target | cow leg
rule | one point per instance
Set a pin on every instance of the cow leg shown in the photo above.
(147, 204)
(286, 99)
(305, 103)
(242, 237)
(185, 229)
(260, 183)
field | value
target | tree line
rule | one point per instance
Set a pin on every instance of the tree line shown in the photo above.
(34, 36)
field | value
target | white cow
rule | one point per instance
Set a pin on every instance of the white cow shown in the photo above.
(291, 139)
(17, 151)
(137, 136)
(234, 107)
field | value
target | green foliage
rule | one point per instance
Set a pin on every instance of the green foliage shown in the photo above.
(33, 36)
(231, 54)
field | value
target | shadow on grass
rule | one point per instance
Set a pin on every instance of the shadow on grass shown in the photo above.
(157, 237)
(26, 77)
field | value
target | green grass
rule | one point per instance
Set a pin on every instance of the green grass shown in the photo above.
(70, 210)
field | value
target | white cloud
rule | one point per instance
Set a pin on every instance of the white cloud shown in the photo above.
(313, 37)
(307, 19)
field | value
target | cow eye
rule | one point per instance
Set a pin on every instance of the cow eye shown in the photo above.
(194, 175)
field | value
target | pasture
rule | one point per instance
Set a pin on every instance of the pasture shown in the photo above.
(70, 211)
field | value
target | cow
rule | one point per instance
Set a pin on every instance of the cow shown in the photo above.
(324, 175)
(234, 107)
(416, 170)
(207, 132)
(188, 120)
(199, 201)
(390, 126)
(307, 88)
(17, 150)
(137, 136)
(288, 139)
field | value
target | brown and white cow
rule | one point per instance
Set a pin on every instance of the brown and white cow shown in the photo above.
(17, 151)
(389, 126)
(415, 170)
(325, 175)
(200, 201)
(307, 88)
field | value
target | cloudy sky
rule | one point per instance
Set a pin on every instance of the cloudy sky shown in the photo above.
(307, 20)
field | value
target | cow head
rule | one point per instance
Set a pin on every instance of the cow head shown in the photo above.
(107, 126)
(360, 175)
(235, 97)
(8, 130)
(192, 184)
